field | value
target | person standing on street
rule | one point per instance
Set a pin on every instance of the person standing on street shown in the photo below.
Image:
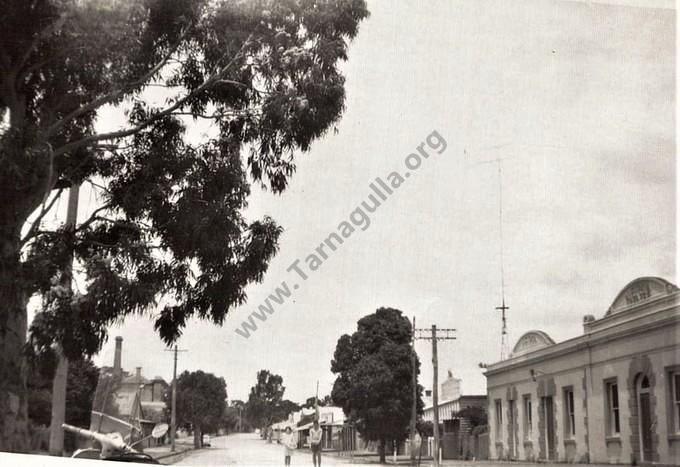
(315, 435)
(289, 444)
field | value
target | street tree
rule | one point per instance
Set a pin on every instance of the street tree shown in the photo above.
(283, 410)
(324, 401)
(425, 428)
(265, 403)
(264, 398)
(201, 402)
(263, 73)
(231, 420)
(374, 382)
(238, 409)
(82, 382)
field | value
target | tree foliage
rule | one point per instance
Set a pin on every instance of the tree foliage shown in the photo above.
(81, 382)
(201, 401)
(265, 73)
(231, 419)
(236, 417)
(284, 410)
(170, 224)
(425, 428)
(265, 403)
(476, 416)
(374, 382)
(324, 401)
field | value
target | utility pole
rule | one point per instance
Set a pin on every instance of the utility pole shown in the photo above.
(435, 378)
(173, 410)
(56, 447)
(316, 401)
(435, 394)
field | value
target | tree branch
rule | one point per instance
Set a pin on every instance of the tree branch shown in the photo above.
(231, 81)
(101, 244)
(105, 99)
(215, 115)
(98, 186)
(36, 66)
(36, 223)
(130, 131)
(94, 216)
(34, 43)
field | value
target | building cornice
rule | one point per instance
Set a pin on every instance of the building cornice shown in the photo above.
(633, 312)
(666, 316)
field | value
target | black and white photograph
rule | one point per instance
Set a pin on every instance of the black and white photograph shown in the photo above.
(339, 232)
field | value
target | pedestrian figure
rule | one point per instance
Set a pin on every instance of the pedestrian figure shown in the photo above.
(289, 445)
(417, 443)
(315, 435)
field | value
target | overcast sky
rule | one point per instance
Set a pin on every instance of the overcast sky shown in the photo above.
(578, 98)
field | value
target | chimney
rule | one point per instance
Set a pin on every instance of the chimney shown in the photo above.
(587, 323)
(117, 369)
(138, 374)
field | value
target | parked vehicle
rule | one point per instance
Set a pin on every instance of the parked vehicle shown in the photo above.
(205, 442)
(113, 446)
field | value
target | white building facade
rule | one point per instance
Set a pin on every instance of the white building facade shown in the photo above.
(611, 395)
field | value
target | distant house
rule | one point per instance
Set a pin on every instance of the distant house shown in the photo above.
(129, 404)
(451, 401)
(454, 429)
(331, 421)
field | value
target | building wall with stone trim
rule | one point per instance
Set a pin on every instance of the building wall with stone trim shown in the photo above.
(640, 338)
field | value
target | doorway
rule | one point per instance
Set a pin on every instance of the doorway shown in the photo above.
(549, 413)
(513, 432)
(646, 419)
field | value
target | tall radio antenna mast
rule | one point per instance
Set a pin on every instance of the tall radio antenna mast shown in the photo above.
(503, 308)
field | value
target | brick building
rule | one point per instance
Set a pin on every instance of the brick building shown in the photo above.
(127, 403)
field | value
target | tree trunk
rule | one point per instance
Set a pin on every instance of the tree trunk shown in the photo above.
(198, 437)
(381, 451)
(13, 322)
(26, 177)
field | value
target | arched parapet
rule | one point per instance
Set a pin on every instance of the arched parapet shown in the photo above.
(641, 290)
(530, 341)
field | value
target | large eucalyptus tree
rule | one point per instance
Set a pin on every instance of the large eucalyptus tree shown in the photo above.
(170, 223)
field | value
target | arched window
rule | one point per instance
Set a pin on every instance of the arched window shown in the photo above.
(644, 384)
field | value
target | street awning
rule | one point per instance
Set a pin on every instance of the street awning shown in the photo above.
(306, 426)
